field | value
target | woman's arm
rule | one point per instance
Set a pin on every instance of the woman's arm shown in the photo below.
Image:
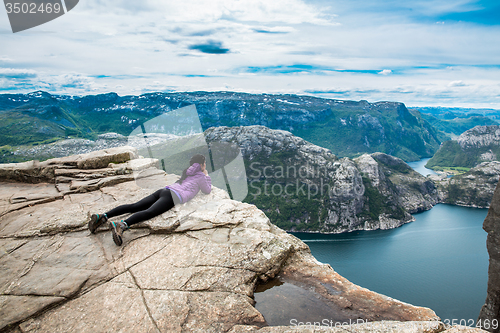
(205, 183)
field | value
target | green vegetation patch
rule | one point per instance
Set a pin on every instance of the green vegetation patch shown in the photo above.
(451, 156)
(378, 204)
(287, 211)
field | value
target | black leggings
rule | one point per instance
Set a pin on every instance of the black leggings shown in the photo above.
(147, 208)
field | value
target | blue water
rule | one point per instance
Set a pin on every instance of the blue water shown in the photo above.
(439, 261)
(419, 166)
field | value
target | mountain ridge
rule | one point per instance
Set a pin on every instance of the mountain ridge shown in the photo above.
(348, 128)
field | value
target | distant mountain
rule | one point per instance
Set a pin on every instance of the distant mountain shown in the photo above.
(451, 122)
(477, 145)
(450, 113)
(456, 126)
(347, 128)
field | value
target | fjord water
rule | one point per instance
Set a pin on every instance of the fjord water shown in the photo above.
(419, 166)
(439, 261)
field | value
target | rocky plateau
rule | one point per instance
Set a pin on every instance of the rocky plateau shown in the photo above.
(192, 269)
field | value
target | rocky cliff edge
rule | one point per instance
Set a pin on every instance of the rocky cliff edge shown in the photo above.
(191, 269)
(491, 309)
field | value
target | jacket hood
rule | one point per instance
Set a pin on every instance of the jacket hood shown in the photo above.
(193, 169)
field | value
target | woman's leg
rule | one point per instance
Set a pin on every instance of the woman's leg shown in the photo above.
(160, 206)
(142, 204)
(97, 220)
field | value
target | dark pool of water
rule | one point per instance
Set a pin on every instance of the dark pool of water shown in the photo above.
(286, 304)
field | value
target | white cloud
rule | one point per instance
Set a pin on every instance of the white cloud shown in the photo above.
(457, 83)
(133, 47)
(275, 29)
(17, 73)
(289, 11)
(385, 72)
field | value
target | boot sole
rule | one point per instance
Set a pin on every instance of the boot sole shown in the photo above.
(116, 238)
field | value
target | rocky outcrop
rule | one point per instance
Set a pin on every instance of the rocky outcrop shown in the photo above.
(490, 311)
(194, 268)
(477, 145)
(374, 191)
(260, 141)
(49, 170)
(480, 137)
(474, 188)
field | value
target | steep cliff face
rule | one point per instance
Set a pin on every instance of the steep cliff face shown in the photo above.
(474, 188)
(302, 186)
(414, 192)
(491, 309)
(194, 268)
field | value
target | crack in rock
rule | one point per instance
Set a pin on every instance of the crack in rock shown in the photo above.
(144, 301)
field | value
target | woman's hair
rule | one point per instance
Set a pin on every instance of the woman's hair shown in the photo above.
(198, 158)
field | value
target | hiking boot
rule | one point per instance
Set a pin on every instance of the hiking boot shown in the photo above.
(96, 221)
(117, 229)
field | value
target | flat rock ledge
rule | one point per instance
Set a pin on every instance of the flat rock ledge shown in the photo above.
(192, 269)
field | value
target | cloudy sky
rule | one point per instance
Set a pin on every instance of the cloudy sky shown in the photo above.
(422, 53)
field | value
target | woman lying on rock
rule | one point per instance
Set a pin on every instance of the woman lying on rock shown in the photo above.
(193, 179)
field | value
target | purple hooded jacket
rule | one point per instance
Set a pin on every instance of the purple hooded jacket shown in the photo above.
(196, 180)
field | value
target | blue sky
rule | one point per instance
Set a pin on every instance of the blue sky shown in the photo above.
(425, 52)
